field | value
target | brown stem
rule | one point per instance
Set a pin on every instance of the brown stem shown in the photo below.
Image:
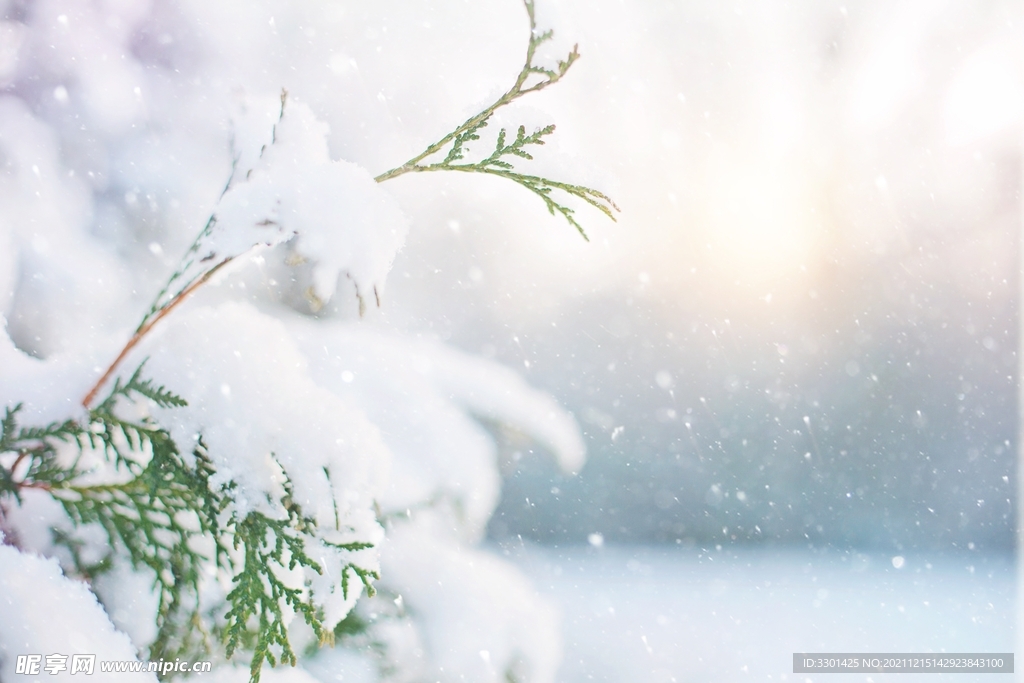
(514, 93)
(17, 461)
(149, 324)
(41, 485)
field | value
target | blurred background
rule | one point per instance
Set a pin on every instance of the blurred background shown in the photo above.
(794, 356)
(803, 327)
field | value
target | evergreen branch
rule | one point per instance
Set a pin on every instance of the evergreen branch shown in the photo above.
(531, 78)
(496, 163)
(356, 545)
(186, 263)
(8, 443)
(122, 440)
(517, 148)
(461, 139)
(518, 89)
(36, 464)
(364, 575)
(255, 619)
(154, 517)
(74, 545)
(144, 387)
(7, 428)
(148, 322)
(260, 595)
(164, 302)
(542, 187)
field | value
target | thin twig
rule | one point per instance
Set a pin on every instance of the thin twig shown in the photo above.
(513, 93)
(39, 485)
(17, 461)
(150, 322)
(467, 131)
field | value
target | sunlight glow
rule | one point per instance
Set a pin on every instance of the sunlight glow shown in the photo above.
(759, 219)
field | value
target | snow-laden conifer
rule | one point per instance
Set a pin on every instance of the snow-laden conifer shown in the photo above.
(228, 477)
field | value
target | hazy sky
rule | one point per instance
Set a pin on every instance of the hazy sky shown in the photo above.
(818, 241)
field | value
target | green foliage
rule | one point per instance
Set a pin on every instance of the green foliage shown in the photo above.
(160, 504)
(159, 510)
(532, 78)
(144, 387)
(154, 517)
(183, 277)
(352, 625)
(35, 450)
(260, 594)
(256, 619)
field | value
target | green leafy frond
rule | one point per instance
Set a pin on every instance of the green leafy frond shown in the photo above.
(532, 78)
(7, 427)
(255, 620)
(35, 461)
(259, 595)
(458, 145)
(351, 625)
(155, 517)
(180, 280)
(74, 546)
(364, 575)
(143, 387)
(159, 395)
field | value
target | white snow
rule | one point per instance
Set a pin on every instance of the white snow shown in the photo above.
(45, 613)
(239, 674)
(469, 603)
(68, 284)
(670, 614)
(425, 396)
(345, 223)
(263, 418)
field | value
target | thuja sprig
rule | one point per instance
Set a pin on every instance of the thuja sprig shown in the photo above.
(194, 270)
(32, 452)
(260, 595)
(199, 264)
(154, 515)
(531, 78)
(255, 619)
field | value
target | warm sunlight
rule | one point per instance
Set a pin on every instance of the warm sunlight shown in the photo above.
(757, 218)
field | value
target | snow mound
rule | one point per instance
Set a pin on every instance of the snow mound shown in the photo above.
(345, 223)
(45, 613)
(425, 395)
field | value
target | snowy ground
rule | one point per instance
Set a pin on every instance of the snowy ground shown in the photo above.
(661, 615)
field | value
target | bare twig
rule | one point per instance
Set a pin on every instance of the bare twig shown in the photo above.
(148, 324)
